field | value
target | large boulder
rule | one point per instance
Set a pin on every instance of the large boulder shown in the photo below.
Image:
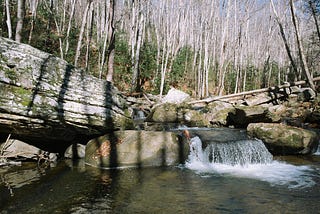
(170, 113)
(217, 113)
(244, 115)
(282, 139)
(194, 118)
(46, 98)
(164, 113)
(175, 96)
(136, 148)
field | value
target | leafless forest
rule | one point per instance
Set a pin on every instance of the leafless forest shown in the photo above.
(204, 47)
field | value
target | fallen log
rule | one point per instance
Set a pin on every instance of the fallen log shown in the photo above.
(252, 92)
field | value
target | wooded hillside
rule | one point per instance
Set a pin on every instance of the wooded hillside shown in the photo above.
(202, 47)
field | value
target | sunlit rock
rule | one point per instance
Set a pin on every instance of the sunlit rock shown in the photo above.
(217, 113)
(164, 113)
(175, 96)
(177, 113)
(46, 98)
(283, 139)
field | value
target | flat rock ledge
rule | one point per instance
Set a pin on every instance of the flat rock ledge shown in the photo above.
(44, 98)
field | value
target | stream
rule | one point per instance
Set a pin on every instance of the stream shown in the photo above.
(210, 182)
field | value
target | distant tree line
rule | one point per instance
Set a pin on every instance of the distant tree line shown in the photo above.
(204, 47)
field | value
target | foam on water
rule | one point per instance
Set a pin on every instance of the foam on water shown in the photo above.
(273, 172)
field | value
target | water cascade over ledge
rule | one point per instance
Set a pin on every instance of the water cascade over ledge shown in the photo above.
(246, 159)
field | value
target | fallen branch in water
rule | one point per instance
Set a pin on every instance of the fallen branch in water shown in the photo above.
(5, 144)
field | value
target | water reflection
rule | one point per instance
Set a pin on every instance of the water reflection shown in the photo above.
(73, 187)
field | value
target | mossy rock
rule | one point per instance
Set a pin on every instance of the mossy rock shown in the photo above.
(164, 113)
(194, 118)
(283, 139)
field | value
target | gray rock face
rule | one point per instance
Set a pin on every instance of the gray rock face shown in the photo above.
(284, 140)
(136, 148)
(44, 97)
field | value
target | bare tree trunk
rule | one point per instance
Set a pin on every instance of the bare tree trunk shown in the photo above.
(222, 67)
(138, 21)
(303, 59)
(49, 25)
(69, 27)
(136, 72)
(284, 38)
(20, 18)
(111, 35)
(200, 78)
(84, 22)
(89, 39)
(313, 11)
(60, 39)
(104, 48)
(8, 21)
(34, 5)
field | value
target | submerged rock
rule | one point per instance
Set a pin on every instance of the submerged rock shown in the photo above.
(136, 148)
(282, 139)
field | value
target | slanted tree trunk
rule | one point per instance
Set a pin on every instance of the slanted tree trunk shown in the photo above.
(284, 38)
(69, 27)
(84, 22)
(20, 18)
(34, 5)
(313, 11)
(302, 56)
(8, 21)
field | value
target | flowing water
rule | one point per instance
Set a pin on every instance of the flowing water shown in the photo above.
(238, 177)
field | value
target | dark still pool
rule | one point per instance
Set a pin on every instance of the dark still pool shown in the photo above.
(287, 185)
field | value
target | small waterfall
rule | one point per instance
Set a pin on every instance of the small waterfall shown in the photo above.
(138, 116)
(246, 159)
(241, 152)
